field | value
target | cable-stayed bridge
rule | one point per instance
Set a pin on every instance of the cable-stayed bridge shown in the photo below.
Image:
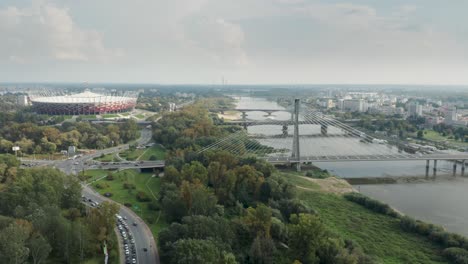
(311, 136)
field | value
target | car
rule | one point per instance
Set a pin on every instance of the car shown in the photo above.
(145, 249)
(135, 224)
(124, 218)
(89, 200)
(134, 261)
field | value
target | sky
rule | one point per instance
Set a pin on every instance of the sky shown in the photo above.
(242, 41)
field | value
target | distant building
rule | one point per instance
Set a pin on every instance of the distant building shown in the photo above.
(451, 116)
(354, 105)
(415, 109)
(172, 107)
(22, 100)
(71, 150)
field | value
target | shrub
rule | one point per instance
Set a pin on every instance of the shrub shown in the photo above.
(456, 255)
(142, 197)
(110, 176)
(129, 186)
(153, 157)
(101, 185)
(371, 204)
(154, 206)
(129, 205)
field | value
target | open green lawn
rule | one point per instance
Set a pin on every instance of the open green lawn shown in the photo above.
(125, 114)
(156, 150)
(379, 235)
(435, 136)
(144, 154)
(143, 182)
(110, 115)
(297, 181)
(107, 158)
(140, 116)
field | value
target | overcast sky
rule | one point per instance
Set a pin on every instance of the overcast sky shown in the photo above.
(246, 41)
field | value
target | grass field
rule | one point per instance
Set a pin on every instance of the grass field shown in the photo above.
(107, 158)
(380, 236)
(140, 116)
(435, 136)
(144, 154)
(143, 182)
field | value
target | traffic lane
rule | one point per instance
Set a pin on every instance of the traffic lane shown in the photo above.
(142, 236)
(141, 233)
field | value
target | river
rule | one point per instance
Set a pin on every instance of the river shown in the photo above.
(441, 202)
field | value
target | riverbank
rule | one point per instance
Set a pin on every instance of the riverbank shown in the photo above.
(403, 179)
(230, 115)
(379, 235)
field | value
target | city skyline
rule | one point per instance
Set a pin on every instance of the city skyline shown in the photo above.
(244, 42)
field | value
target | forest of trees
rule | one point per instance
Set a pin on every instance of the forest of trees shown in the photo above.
(41, 218)
(34, 138)
(228, 209)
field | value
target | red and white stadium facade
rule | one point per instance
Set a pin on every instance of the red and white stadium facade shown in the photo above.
(85, 103)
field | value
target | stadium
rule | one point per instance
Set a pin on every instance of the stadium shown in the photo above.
(85, 103)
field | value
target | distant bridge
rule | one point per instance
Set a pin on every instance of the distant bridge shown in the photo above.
(245, 110)
(285, 152)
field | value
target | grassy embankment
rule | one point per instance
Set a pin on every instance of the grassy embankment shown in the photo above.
(144, 182)
(107, 158)
(379, 235)
(144, 154)
(432, 135)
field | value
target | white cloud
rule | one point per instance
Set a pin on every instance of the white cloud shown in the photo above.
(45, 31)
(222, 41)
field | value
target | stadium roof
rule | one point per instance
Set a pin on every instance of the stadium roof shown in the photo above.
(84, 97)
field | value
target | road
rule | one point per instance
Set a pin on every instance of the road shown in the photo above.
(141, 233)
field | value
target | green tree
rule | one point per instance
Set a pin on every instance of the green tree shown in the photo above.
(306, 236)
(420, 134)
(13, 244)
(39, 248)
(259, 220)
(199, 251)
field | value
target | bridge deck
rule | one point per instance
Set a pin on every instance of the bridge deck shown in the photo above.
(390, 157)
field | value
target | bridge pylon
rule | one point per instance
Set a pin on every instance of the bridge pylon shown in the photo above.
(296, 154)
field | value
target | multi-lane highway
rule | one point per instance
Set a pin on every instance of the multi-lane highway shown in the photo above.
(141, 232)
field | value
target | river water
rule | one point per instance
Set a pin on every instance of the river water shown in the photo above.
(443, 201)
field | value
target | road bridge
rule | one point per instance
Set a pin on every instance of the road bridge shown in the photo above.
(276, 152)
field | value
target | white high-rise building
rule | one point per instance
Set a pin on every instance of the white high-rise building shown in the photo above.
(415, 109)
(451, 116)
(354, 105)
(22, 100)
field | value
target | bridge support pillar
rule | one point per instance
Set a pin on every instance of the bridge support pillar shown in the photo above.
(455, 168)
(285, 131)
(427, 168)
(296, 154)
(324, 130)
(435, 168)
(463, 168)
(244, 118)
